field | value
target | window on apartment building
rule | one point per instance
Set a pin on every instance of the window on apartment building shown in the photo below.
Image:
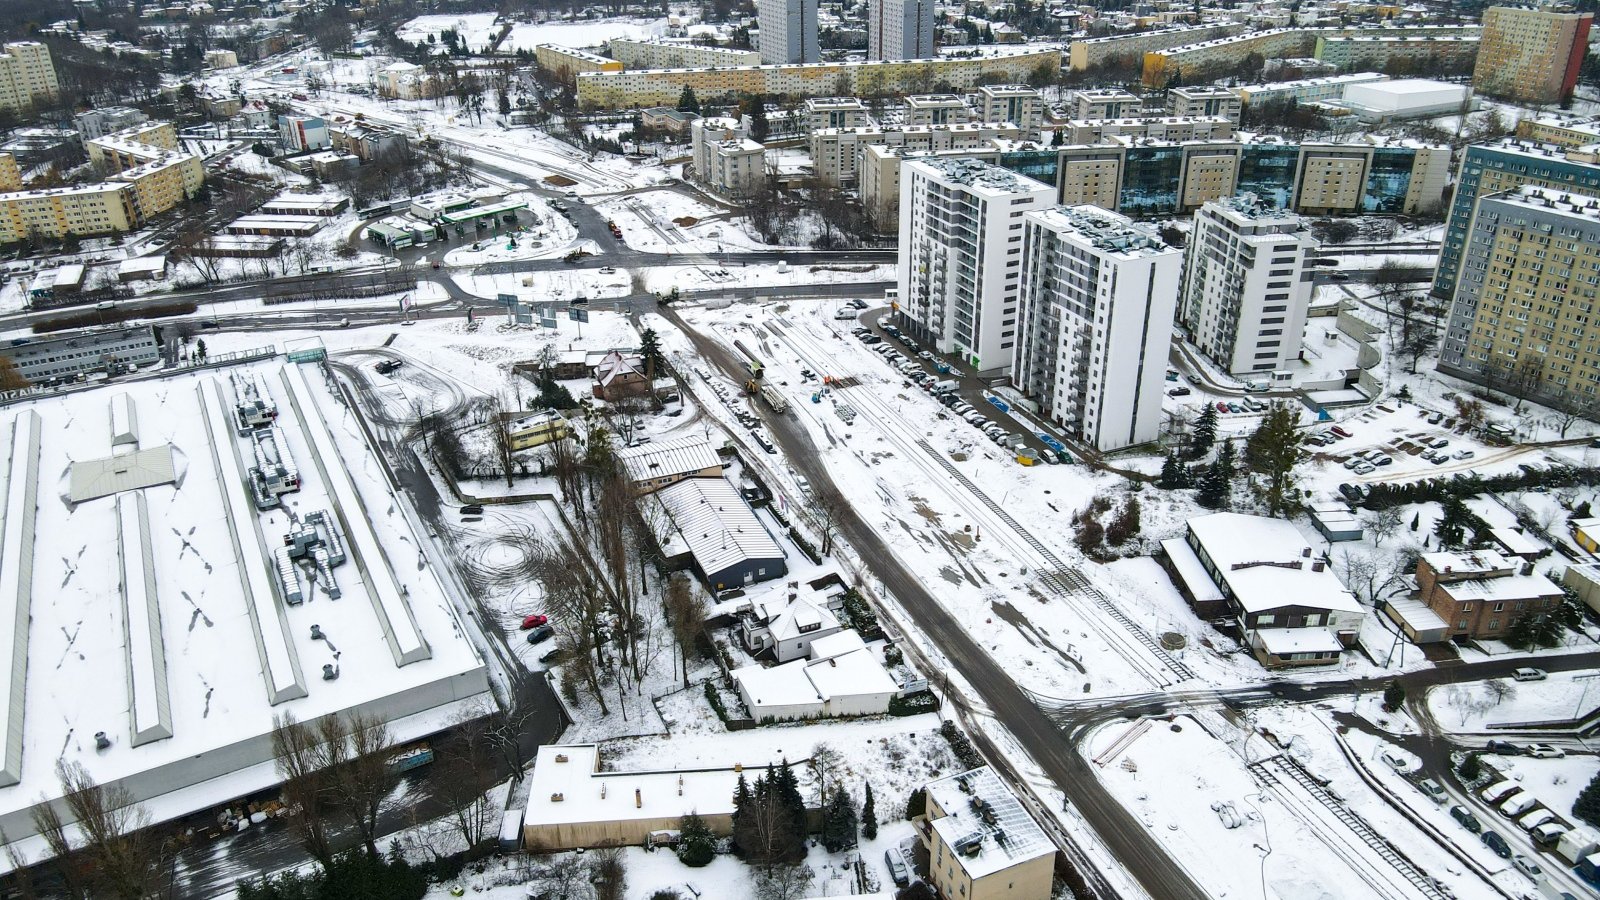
(1494, 624)
(1499, 607)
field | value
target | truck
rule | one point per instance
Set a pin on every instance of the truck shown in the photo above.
(775, 399)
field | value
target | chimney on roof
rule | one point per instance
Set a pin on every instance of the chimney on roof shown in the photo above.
(1306, 552)
(638, 799)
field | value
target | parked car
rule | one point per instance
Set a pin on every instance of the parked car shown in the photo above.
(541, 634)
(1398, 760)
(1435, 418)
(1497, 844)
(1463, 454)
(1222, 407)
(1340, 431)
(550, 655)
(1437, 443)
(1505, 748)
(534, 621)
(1235, 408)
(1527, 867)
(1363, 468)
(1527, 673)
(1433, 789)
(1544, 751)
(1465, 817)
(472, 509)
(1179, 391)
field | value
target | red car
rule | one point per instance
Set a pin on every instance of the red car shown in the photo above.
(1222, 407)
(534, 622)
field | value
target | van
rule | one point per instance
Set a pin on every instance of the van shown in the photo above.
(897, 866)
(946, 387)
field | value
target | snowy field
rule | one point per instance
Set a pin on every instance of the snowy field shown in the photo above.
(477, 30)
(689, 278)
(1474, 706)
(526, 36)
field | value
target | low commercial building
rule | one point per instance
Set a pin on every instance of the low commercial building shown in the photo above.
(46, 359)
(658, 54)
(142, 268)
(1306, 90)
(982, 844)
(673, 121)
(1177, 129)
(655, 87)
(278, 226)
(324, 205)
(653, 466)
(535, 431)
(1480, 593)
(1289, 605)
(718, 533)
(1406, 98)
(221, 59)
(572, 803)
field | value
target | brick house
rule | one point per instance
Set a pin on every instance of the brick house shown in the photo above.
(1479, 593)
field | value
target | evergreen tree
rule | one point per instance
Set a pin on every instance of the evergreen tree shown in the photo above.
(1587, 806)
(1451, 529)
(1272, 452)
(1394, 695)
(917, 803)
(1213, 493)
(1173, 474)
(743, 806)
(697, 846)
(869, 816)
(756, 108)
(1471, 767)
(839, 822)
(1227, 462)
(1205, 433)
(786, 791)
(687, 102)
(649, 352)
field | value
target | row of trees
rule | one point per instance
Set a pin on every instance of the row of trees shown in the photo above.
(1271, 453)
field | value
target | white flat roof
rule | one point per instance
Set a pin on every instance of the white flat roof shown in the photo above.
(1280, 641)
(573, 791)
(1266, 564)
(1192, 571)
(218, 697)
(780, 685)
(856, 672)
(836, 644)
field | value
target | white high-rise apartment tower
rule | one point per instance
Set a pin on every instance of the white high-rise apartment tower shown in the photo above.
(961, 256)
(1247, 284)
(788, 31)
(900, 29)
(1098, 296)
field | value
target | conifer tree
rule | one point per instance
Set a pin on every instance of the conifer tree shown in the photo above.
(839, 822)
(869, 816)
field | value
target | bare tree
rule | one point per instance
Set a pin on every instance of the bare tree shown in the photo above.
(1384, 522)
(1361, 573)
(1500, 690)
(608, 872)
(466, 773)
(784, 882)
(305, 785)
(500, 433)
(356, 750)
(126, 859)
(825, 762)
(686, 613)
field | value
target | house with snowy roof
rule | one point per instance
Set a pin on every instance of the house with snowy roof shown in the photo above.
(786, 629)
(705, 523)
(1262, 573)
(618, 376)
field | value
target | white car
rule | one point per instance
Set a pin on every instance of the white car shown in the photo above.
(1527, 867)
(1363, 468)
(1463, 454)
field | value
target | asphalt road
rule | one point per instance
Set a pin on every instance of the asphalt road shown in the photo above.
(1038, 734)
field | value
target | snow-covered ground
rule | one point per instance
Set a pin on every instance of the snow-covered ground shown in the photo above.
(1475, 706)
(526, 36)
(477, 30)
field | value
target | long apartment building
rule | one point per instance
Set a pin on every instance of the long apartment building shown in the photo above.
(1523, 314)
(960, 278)
(145, 176)
(1531, 54)
(1132, 47)
(675, 55)
(1562, 129)
(27, 75)
(1365, 51)
(657, 87)
(1191, 61)
(1098, 299)
(836, 152)
(1146, 178)
(1247, 284)
(567, 63)
(1306, 90)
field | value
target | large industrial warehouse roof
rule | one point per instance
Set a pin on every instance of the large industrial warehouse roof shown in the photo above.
(720, 529)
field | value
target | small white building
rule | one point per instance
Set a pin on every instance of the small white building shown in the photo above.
(1405, 98)
(844, 677)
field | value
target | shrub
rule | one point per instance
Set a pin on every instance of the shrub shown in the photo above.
(961, 745)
